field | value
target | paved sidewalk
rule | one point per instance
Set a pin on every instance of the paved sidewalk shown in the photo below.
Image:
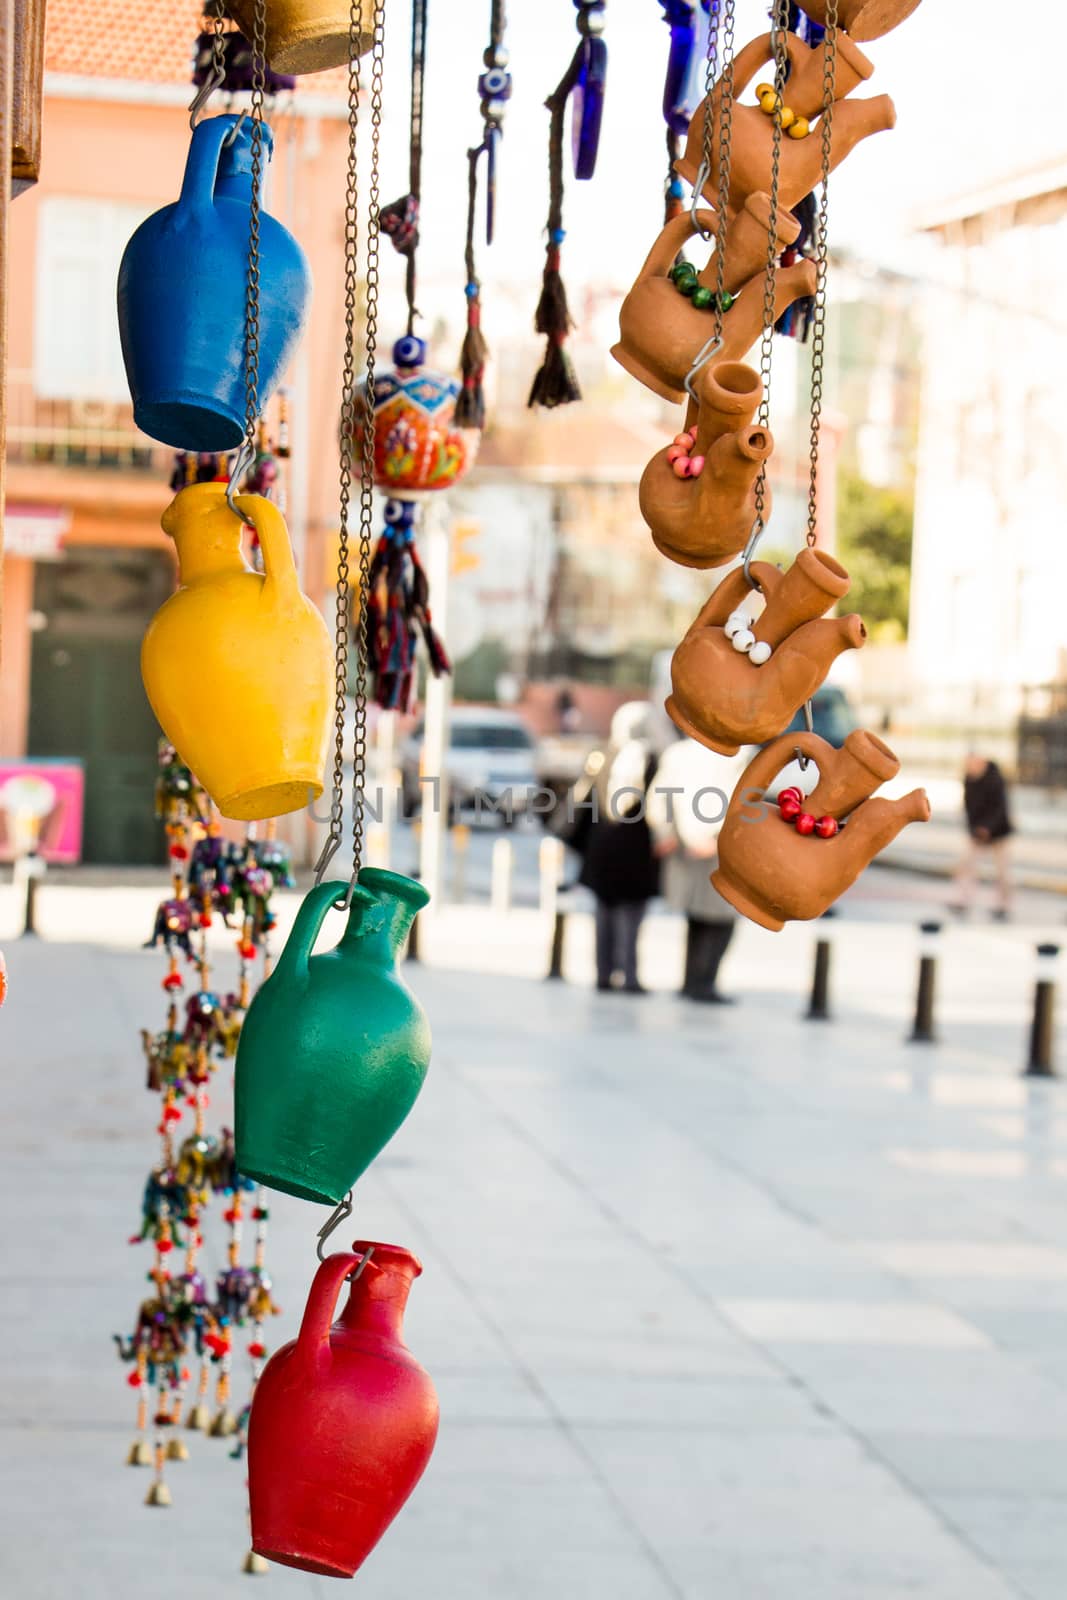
(720, 1305)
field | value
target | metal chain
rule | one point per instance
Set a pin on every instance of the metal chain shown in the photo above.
(722, 196)
(366, 476)
(779, 20)
(246, 455)
(218, 43)
(818, 315)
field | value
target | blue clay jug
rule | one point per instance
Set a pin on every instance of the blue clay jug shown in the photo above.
(181, 297)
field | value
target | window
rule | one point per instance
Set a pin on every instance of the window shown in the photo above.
(77, 355)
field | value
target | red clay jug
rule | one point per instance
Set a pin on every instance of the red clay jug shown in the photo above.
(344, 1419)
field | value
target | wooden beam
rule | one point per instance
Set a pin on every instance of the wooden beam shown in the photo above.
(26, 91)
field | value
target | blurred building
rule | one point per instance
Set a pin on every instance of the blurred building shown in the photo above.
(86, 563)
(990, 559)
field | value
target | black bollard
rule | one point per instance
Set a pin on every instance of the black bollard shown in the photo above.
(1040, 1064)
(555, 960)
(819, 1009)
(29, 927)
(923, 1031)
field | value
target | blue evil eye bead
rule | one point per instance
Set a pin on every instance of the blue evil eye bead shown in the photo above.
(588, 100)
(399, 514)
(495, 84)
(409, 351)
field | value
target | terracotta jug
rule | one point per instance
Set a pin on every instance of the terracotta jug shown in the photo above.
(661, 332)
(335, 1047)
(343, 1421)
(774, 872)
(728, 692)
(304, 35)
(864, 19)
(237, 664)
(704, 521)
(751, 148)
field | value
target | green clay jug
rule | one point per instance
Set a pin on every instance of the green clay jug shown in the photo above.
(335, 1047)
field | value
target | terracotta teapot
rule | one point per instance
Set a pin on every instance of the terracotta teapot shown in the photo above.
(343, 1421)
(335, 1047)
(741, 681)
(304, 35)
(661, 331)
(751, 147)
(705, 520)
(238, 665)
(864, 19)
(789, 861)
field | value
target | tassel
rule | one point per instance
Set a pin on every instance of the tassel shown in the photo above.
(556, 383)
(398, 606)
(470, 403)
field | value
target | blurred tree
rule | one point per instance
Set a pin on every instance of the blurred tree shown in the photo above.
(874, 529)
(475, 677)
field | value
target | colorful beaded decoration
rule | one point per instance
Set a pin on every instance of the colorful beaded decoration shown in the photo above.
(686, 280)
(791, 809)
(769, 102)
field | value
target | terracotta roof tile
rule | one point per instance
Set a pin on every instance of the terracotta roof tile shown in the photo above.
(143, 41)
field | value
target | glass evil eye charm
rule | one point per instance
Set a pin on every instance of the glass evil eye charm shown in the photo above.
(588, 92)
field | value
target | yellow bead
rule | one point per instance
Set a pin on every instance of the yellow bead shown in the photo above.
(768, 102)
(788, 117)
(764, 88)
(799, 129)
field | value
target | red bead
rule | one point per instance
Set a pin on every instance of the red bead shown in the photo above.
(172, 1114)
(135, 1380)
(247, 952)
(164, 1246)
(790, 809)
(135, 1238)
(826, 827)
(229, 1216)
(179, 852)
(256, 1351)
(163, 1419)
(173, 980)
(205, 919)
(186, 1374)
(805, 823)
(792, 793)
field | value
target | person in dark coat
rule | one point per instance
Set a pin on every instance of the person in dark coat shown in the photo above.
(985, 804)
(619, 864)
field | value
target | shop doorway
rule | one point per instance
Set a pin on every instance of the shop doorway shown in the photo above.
(86, 698)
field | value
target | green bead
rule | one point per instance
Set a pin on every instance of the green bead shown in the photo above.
(702, 298)
(727, 300)
(684, 272)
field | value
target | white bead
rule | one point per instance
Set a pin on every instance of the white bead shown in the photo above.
(743, 641)
(760, 652)
(734, 623)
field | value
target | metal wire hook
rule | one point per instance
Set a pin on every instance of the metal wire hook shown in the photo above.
(703, 356)
(750, 550)
(235, 130)
(215, 77)
(703, 174)
(340, 1214)
(244, 459)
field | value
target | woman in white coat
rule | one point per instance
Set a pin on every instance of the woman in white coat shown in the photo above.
(686, 806)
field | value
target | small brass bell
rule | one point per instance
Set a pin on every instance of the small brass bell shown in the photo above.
(177, 1450)
(140, 1454)
(158, 1495)
(198, 1417)
(223, 1425)
(255, 1565)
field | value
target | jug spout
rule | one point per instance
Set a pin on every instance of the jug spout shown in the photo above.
(400, 898)
(378, 1298)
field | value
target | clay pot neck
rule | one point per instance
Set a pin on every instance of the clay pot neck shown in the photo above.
(383, 910)
(206, 534)
(379, 1296)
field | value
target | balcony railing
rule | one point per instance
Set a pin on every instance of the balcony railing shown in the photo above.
(84, 433)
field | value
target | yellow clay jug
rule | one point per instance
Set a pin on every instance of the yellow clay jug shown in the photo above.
(237, 664)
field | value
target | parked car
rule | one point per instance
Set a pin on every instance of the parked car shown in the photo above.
(489, 753)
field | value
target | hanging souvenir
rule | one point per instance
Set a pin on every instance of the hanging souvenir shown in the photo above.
(419, 447)
(698, 495)
(741, 674)
(334, 1048)
(863, 19)
(789, 860)
(397, 610)
(182, 294)
(236, 664)
(344, 1419)
(684, 18)
(226, 61)
(556, 383)
(304, 35)
(494, 92)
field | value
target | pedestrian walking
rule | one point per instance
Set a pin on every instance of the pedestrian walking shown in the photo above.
(989, 828)
(687, 804)
(612, 833)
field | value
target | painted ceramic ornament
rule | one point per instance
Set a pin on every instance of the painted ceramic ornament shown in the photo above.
(738, 677)
(801, 159)
(698, 495)
(772, 869)
(665, 321)
(181, 297)
(304, 35)
(418, 449)
(335, 1047)
(864, 19)
(237, 665)
(343, 1421)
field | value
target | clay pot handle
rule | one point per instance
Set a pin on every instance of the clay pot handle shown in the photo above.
(313, 1340)
(674, 236)
(202, 163)
(762, 772)
(754, 55)
(278, 564)
(293, 961)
